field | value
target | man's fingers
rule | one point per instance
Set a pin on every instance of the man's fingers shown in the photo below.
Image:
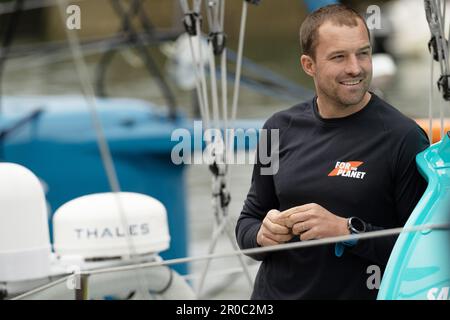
(276, 228)
(309, 235)
(274, 232)
(265, 241)
(287, 213)
(301, 227)
(275, 223)
(273, 212)
(279, 238)
(297, 218)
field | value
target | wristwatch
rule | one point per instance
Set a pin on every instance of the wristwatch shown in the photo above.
(356, 225)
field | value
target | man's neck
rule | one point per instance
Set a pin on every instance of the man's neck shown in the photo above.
(329, 109)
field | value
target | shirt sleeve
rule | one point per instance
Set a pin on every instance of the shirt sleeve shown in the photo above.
(262, 196)
(408, 188)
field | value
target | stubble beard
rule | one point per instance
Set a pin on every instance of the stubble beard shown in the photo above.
(343, 101)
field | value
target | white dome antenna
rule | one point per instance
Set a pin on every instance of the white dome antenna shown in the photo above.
(91, 226)
(24, 238)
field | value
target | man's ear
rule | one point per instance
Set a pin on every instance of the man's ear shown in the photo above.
(308, 65)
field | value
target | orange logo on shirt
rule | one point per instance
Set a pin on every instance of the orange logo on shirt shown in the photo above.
(348, 170)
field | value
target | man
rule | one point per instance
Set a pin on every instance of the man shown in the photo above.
(346, 165)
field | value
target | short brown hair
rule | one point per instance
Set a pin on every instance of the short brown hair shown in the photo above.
(336, 13)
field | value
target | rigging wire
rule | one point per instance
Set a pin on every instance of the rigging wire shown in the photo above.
(441, 5)
(237, 79)
(430, 100)
(286, 246)
(213, 86)
(445, 45)
(132, 36)
(218, 165)
(192, 23)
(439, 47)
(105, 152)
(239, 61)
(215, 144)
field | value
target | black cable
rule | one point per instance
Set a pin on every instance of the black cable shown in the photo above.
(130, 295)
(166, 287)
(150, 63)
(105, 60)
(145, 21)
(134, 38)
(152, 67)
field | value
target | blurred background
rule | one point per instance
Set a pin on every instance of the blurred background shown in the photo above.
(271, 40)
(39, 63)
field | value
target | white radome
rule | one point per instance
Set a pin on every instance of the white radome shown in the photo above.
(92, 226)
(24, 237)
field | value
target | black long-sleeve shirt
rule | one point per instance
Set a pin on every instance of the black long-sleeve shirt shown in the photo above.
(361, 165)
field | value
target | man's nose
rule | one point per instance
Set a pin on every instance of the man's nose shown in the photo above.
(353, 67)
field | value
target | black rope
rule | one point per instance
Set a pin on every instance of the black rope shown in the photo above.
(132, 37)
(105, 60)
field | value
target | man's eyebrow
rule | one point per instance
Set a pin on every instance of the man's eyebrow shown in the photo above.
(368, 47)
(365, 48)
(336, 52)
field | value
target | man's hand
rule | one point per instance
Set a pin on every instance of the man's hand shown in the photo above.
(273, 230)
(311, 221)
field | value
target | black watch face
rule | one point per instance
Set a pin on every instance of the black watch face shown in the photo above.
(358, 224)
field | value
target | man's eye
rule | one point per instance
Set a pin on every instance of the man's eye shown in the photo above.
(364, 53)
(337, 57)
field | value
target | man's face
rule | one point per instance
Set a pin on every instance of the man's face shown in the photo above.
(342, 68)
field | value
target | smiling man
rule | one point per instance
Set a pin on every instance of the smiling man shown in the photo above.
(346, 165)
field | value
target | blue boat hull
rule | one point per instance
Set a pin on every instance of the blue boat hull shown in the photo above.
(419, 266)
